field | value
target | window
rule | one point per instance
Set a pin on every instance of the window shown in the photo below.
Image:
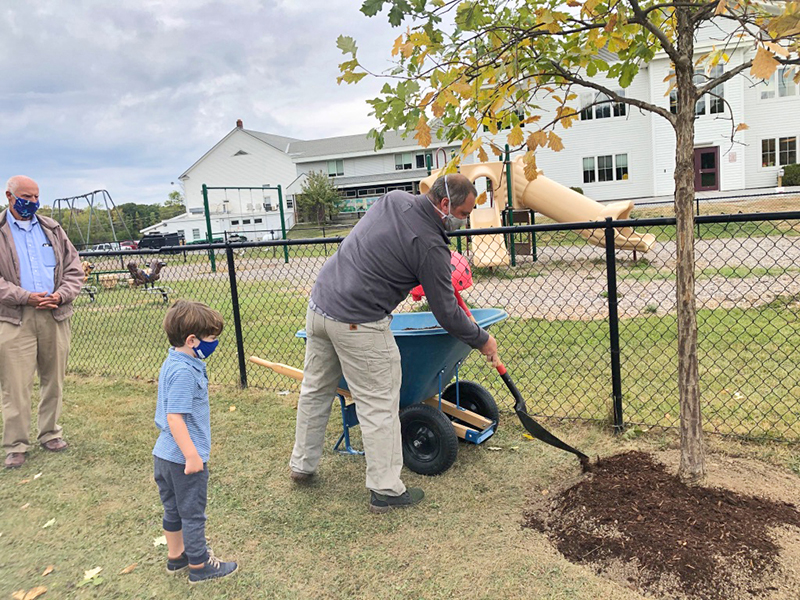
(196, 234)
(711, 103)
(234, 222)
(289, 201)
(423, 158)
(595, 105)
(609, 168)
(767, 153)
(335, 167)
(258, 221)
(787, 150)
(588, 170)
(181, 233)
(716, 99)
(786, 84)
(622, 166)
(767, 88)
(245, 221)
(605, 168)
(402, 162)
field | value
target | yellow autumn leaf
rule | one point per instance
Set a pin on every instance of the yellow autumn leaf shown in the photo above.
(35, 592)
(48, 570)
(554, 142)
(24, 506)
(496, 150)
(482, 156)
(741, 127)
(397, 43)
(721, 6)
(231, 408)
(531, 172)
(423, 135)
(536, 139)
(472, 123)
(778, 49)
(18, 595)
(50, 523)
(128, 569)
(516, 137)
(481, 197)
(91, 573)
(160, 541)
(764, 64)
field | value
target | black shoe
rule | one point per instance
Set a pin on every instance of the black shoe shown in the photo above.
(213, 569)
(301, 478)
(177, 565)
(379, 503)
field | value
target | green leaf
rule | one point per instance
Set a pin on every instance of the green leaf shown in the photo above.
(346, 44)
(372, 7)
(629, 71)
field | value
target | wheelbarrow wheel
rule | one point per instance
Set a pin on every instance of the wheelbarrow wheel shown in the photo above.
(430, 444)
(474, 397)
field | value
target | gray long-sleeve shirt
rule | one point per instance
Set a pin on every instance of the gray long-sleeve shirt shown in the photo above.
(397, 245)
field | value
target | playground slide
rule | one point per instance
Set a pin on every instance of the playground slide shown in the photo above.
(553, 200)
(488, 250)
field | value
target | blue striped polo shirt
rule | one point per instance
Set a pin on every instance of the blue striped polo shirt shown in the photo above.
(183, 389)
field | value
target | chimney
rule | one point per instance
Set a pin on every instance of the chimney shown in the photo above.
(239, 123)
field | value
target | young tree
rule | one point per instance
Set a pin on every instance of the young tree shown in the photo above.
(319, 200)
(175, 205)
(500, 63)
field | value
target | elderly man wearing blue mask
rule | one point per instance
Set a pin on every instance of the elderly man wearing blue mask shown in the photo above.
(40, 276)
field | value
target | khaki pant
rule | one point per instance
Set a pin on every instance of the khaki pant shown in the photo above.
(368, 357)
(40, 343)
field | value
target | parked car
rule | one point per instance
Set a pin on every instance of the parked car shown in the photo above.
(159, 240)
(129, 245)
(106, 247)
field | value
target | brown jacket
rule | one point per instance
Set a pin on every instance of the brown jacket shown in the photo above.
(68, 275)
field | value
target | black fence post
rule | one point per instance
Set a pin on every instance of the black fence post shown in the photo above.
(613, 326)
(237, 318)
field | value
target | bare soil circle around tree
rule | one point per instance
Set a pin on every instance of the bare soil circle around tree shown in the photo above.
(632, 520)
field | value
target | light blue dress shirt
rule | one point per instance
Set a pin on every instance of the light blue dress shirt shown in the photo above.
(37, 261)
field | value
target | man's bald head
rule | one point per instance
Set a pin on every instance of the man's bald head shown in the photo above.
(23, 187)
(18, 181)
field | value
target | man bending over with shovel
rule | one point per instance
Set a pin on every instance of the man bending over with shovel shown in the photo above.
(400, 243)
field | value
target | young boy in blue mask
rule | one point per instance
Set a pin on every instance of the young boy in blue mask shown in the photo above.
(183, 446)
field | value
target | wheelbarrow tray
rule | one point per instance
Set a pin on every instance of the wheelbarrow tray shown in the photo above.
(429, 356)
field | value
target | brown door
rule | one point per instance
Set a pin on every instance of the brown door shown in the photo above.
(706, 169)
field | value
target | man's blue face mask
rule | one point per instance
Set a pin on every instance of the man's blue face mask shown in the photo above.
(25, 208)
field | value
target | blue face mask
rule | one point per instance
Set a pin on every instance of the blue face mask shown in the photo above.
(25, 208)
(205, 349)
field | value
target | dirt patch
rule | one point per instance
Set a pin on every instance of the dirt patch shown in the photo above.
(635, 522)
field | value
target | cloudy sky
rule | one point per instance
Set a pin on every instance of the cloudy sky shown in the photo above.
(126, 95)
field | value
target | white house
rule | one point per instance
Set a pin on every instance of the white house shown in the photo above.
(261, 161)
(616, 151)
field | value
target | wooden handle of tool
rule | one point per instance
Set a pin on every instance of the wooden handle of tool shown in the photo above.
(292, 372)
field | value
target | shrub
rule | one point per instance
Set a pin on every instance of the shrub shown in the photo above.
(577, 189)
(791, 175)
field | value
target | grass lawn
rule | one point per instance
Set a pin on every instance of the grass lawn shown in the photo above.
(317, 542)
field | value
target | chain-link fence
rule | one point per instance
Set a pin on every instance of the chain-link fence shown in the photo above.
(587, 327)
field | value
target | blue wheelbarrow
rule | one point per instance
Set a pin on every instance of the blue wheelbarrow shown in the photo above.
(436, 406)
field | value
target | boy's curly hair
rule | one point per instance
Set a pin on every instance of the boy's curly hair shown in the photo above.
(186, 317)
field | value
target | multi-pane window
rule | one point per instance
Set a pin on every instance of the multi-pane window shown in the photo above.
(402, 162)
(605, 168)
(335, 167)
(196, 234)
(767, 153)
(610, 167)
(588, 170)
(422, 160)
(711, 103)
(595, 105)
(786, 84)
(787, 150)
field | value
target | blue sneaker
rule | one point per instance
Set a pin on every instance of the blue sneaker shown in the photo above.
(177, 565)
(213, 569)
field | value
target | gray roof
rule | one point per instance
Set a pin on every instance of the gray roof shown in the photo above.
(349, 144)
(280, 142)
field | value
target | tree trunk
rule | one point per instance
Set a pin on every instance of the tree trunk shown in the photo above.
(692, 466)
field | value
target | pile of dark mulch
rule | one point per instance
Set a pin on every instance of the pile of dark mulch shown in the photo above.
(706, 543)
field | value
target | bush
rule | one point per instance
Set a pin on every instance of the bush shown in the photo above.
(791, 175)
(577, 189)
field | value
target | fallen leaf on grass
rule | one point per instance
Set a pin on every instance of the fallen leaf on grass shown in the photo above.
(231, 408)
(283, 393)
(35, 592)
(24, 506)
(160, 541)
(128, 569)
(494, 448)
(18, 595)
(48, 570)
(37, 476)
(24, 481)
(50, 523)
(91, 573)
(527, 435)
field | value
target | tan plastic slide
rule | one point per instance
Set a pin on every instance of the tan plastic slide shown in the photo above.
(544, 196)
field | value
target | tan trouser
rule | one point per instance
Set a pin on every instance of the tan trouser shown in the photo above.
(368, 357)
(40, 343)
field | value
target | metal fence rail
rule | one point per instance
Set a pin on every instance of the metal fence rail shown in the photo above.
(591, 333)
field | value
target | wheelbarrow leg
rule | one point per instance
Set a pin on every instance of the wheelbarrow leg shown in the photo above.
(349, 419)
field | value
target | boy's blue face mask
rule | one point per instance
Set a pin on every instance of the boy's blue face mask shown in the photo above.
(205, 349)
(25, 208)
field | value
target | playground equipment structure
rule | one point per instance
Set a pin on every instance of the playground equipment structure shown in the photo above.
(541, 195)
(88, 202)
